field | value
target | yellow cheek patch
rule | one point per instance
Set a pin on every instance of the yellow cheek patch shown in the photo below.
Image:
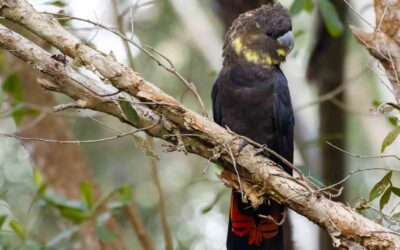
(281, 52)
(237, 45)
(251, 56)
(267, 60)
(256, 57)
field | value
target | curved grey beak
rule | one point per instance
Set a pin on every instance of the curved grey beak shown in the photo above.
(287, 41)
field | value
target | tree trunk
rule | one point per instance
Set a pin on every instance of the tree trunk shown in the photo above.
(326, 70)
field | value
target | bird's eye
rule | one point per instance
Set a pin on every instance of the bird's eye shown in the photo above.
(268, 33)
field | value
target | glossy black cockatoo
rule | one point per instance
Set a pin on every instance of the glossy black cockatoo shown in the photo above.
(251, 97)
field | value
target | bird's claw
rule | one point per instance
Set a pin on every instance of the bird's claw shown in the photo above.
(262, 151)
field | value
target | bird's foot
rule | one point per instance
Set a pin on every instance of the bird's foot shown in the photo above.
(243, 143)
(262, 151)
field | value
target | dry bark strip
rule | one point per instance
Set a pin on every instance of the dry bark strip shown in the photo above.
(260, 176)
(384, 42)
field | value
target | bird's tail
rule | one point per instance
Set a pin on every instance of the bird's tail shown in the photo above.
(254, 229)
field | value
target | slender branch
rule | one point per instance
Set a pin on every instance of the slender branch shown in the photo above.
(163, 210)
(137, 224)
(78, 141)
(363, 156)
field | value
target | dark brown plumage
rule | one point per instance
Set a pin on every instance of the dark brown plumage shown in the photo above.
(252, 98)
(259, 31)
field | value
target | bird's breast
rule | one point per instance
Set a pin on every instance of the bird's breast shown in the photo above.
(248, 110)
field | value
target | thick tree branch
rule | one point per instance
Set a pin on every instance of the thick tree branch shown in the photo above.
(179, 125)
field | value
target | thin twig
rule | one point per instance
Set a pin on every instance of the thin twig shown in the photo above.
(136, 6)
(342, 181)
(235, 168)
(363, 156)
(78, 141)
(278, 223)
(120, 24)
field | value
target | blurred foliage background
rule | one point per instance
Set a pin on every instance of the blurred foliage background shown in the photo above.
(88, 195)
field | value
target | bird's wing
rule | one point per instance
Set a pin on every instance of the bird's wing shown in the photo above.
(283, 120)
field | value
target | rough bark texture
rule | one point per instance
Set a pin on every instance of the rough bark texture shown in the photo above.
(326, 70)
(384, 42)
(259, 176)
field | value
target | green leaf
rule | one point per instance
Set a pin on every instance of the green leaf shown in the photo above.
(61, 202)
(20, 113)
(104, 235)
(73, 210)
(376, 103)
(125, 193)
(396, 191)
(125, 197)
(64, 22)
(57, 3)
(393, 121)
(63, 236)
(380, 187)
(309, 6)
(75, 215)
(390, 138)
(331, 18)
(129, 112)
(12, 85)
(385, 198)
(38, 178)
(115, 205)
(396, 216)
(299, 5)
(87, 193)
(39, 182)
(2, 220)
(16, 227)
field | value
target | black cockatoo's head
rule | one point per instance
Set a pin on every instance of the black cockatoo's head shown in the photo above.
(262, 36)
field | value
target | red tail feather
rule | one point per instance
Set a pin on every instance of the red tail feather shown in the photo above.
(256, 229)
